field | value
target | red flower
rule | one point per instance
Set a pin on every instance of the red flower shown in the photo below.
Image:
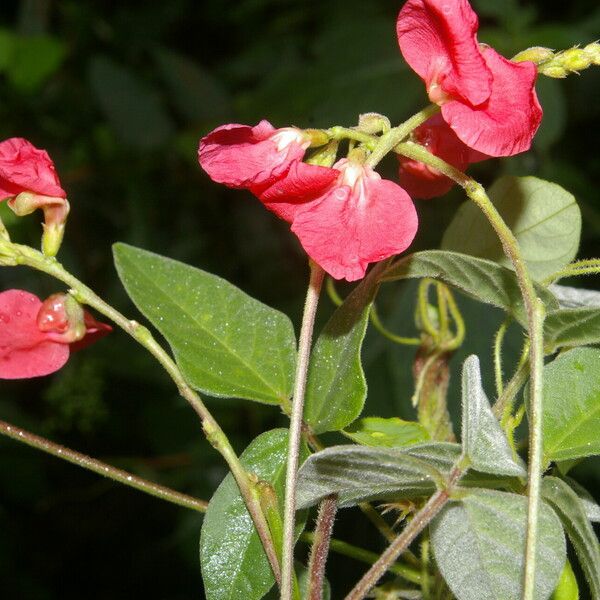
(25, 168)
(488, 101)
(358, 220)
(423, 181)
(36, 337)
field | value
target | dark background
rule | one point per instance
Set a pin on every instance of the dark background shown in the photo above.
(119, 94)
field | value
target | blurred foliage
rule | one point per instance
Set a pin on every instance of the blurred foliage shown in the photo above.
(119, 93)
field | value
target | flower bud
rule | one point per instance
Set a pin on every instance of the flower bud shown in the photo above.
(575, 59)
(325, 157)
(593, 51)
(317, 137)
(535, 54)
(373, 123)
(63, 316)
(553, 70)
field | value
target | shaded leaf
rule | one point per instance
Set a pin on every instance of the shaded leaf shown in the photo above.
(544, 218)
(483, 440)
(572, 297)
(233, 561)
(390, 433)
(479, 545)
(133, 108)
(225, 342)
(571, 405)
(571, 512)
(592, 510)
(571, 327)
(336, 387)
(481, 279)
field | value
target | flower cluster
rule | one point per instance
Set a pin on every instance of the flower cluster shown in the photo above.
(345, 215)
(37, 337)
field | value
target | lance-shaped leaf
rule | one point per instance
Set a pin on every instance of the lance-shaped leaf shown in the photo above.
(571, 405)
(389, 433)
(572, 297)
(590, 506)
(481, 279)
(483, 440)
(359, 473)
(571, 327)
(544, 218)
(571, 512)
(234, 564)
(479, 544)
(336, 387)
(225, 342)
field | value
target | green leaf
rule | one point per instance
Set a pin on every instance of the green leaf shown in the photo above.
(225, 342)
(544, 218)
(389, 433)
(359, 473)
(336, 387)
(233, 561)
(197, 95)
(571, 405)
(479, 544)
(132, 107)
(571, 327)
(571, 297)
(592, 510)
(571, 512)
(567, 587)
(481, 279)
(483, 440)
(33, 60)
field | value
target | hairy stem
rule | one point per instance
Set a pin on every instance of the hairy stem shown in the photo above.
(366, 556)
(216, 436)
(403, 541)
(101, 468)
(304, 344)
(320, 547)
(535, 320)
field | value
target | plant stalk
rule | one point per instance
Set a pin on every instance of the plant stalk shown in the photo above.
(304, 345)
(320, 547)
(101, 468)
(24, 255)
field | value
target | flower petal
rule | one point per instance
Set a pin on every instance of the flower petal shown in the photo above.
(437, 39)
(350, 227)
(506, 123)
(241, 156)
(302, 183)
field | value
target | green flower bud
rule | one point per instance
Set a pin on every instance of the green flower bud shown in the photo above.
(575, 59)
(553, 70)
(373, 123)
(535, 54)
(593, 51)
(317, 137)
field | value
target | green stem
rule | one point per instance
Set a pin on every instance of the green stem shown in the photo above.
(215, 435)
(535, 319)
(388, 141)
(91, 464)
(366, 556)
(304, 344)
(588, 266)
(347, 133)
(320, 547)
(498, 340)
(397, 339)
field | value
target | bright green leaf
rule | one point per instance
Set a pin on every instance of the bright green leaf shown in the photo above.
(571, 405)
(571, 327)
(479, 545)
(390, 433)
(481, 279)
(483, 440)
(225, 342)
(234, 564)
(571, 512)
(544, 218)
(336, 387)
(131, 106)
(33, 60)
(195, 92)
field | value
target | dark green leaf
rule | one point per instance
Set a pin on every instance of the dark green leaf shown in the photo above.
(544, 218)
(225, 342)
(133, 109)
(336, 387)
(390, 433)
(571, 327)
(571, 512)
(479, 544)
(234, 564)
(571, 405)
(481, 279)
(592, 510)
(483, 440)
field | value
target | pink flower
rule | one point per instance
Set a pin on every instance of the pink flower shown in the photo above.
(25, 168)
(36, 337)
(488, 101)
(358, 220)
(423, 181)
